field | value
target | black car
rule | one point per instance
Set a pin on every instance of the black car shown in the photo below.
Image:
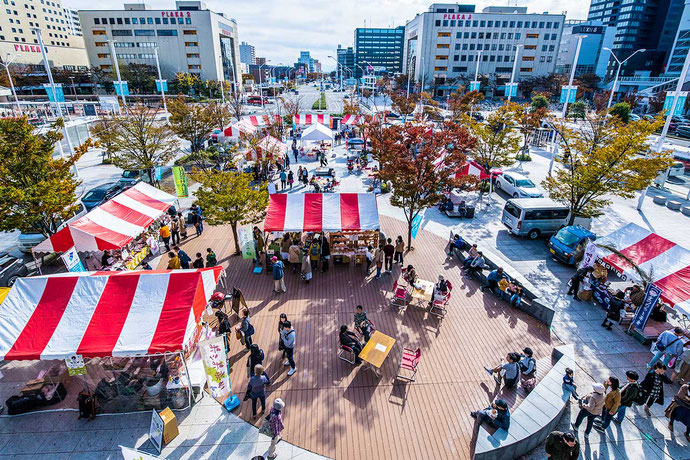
(100, 194)
(11, 269)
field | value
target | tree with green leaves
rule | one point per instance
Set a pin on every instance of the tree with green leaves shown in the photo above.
(192, 122)
(104, 131)
(605, 157)
(621, 110)
(37, 189)
(140, 78)
(140, 141)
(577, 109)
(497, 139)
(185, 83)
(539, 101)
(229, 198)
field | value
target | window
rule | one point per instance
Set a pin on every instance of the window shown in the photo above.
(444, 34)
(103, 55)
(457, 47)
(474, 23)
(144, 33)
(442, 58)
(167, 33)
(490, 24)
(147, 56)
(525, 69)
(482, 23)
(534, 24)
(188, 20)
(438, 23)
(119, 21)
(480, 46)
(191, 43)
(548, 25)
(542, 59)
(452, 23)
(105, 67)
(473, 35)
(441, 69)
(530, 47)
(98, 32)
(492, 58)
(544, 47)
(127, 21)
(456, 57)
(96, 21)
(146, 45)
(517, 35)
(124, 45)
(541, 25)
(442, 46)
(194, 66)
(528, 58)
(192, 56)
(445, 23)
(101, 44)
(135, 21)
(512, 24)
(189, 32)
(531, 35)
(481, 35)
(556, 25)
(158, 20)
(149, 20)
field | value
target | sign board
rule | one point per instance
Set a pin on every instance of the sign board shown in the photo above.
(246, 236)
(72, 261)
(651, 297)
(163, 83)
(133, 454)
(216, 367)
(121, 87)
(590, 255)
(474, 85)
(589, 30)
(109, 103)
(510, 89)
(568, 93)
(157, 173)
(75, 365)
(59, 95)
(180, 178)
(416, 224)
(680, 105)
(156, 430)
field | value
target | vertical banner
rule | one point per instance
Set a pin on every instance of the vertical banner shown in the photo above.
(180, 182)
(474, 85)
(59, 95)
(72, 261)
(568, 93)
(680, 105)
(651, 297)
(163, 84)
(590, 255)
(246, 237)
(121, 88)
(216, 367)
(157, 173)
(510, 90)
(416, 224)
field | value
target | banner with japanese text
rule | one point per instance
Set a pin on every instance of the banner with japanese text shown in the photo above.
(216, 367)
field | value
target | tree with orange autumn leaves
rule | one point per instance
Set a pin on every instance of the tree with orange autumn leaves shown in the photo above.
(421, 163)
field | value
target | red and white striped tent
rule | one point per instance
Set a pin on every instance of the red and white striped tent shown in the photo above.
(269, 147)
(241, 127)
(98, 314)
(302, 119)
(350, 120)
(666, 262)
(113, 224)
(261, 121)
(470, 168)
(316, 212)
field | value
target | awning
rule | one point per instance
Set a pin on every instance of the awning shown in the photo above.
(472, 168)
(317, 132)
(113, 224)
(667, 263)
(350, 120)
(98, 314)
(261, 121)
(272, 147)
(241, 127)
(308, 119)
(316, 212)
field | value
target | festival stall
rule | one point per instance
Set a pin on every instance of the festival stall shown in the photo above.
(268, 148)
(262, 121)
(349, 220)
(350, 120)
(122, 338)
(306, 119)
(237, 130)
(127, 226)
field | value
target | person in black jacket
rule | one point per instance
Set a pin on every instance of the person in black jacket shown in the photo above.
(629, 394)
(325, 252)
(653, 386)
(349, 339)
(614, 314)
(576, 280)
(256, 356)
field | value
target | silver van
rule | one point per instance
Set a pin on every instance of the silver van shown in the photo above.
(533, 217)
(28, 240)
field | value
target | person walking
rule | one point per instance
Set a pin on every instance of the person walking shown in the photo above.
(562, 446)
(669, 345)
(183, 225)
(256, 388)
(184, 258)
(653, 387)
(247, 329)
(314, 253)
(196, 221)
(388, 253)
(273, 426)
(165, 236)
(679, 410)
(306, 269)
(399, 250)
(286, 159)
(591, 406)
(281, 345)
(283, 180)
(173, 261)
(175, 230)
(278, 275)
(287, 335)
(256, 356)
(362, 323)
(211, 260)
(290, 179)
(629, 394)
(378, 259)
(576, 280)
(199, 261)
(299, 175)
(325, 252)
(294, 254)
(612, 402)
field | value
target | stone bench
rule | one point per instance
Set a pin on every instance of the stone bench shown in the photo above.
(534, 418)
(674, 205)
(658, 199)
(685, 210)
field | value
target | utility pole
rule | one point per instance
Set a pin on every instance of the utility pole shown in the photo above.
(6, 64)
(512, 74)
(113, 56)
(160, 82)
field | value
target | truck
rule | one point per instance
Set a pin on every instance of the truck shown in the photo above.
(569, 243)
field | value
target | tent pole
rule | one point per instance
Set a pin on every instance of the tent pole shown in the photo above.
(33, 254)
(189, 378)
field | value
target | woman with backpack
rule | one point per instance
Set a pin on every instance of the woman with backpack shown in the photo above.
(246, 329)
(508, 371)
(256, 388)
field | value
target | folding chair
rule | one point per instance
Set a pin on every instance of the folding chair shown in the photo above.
(399, 295)
(345, 352)
(372, 328)
(441, 304)
(408, 363)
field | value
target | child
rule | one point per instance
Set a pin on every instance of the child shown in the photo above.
(569, 383)
(502, 286)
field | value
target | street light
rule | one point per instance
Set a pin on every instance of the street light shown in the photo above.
(409, 65)
(618, 70)
(113, 56)
(160, 80)
(261, 90)
(6, 65)
(338, 70)
(512, 74)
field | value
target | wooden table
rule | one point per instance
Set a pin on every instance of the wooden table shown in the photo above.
(425, 292)
(376, 350)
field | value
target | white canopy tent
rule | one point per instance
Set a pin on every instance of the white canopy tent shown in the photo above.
(317, 132)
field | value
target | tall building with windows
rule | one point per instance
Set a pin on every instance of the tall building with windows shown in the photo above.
(247, 53)
(346, 59)
(379, 50)
(306, 59)
(593, 58)
(72, 20)
(190, 38)
(64, 46)
(449, 41)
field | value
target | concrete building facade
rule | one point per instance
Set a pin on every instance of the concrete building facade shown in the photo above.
(247, 53)
(379, 50)
(19, 18)
(445, 42)
(190, 38)
(593, 58)
(72, 18)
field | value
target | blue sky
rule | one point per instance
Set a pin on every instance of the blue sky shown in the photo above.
(280, 29)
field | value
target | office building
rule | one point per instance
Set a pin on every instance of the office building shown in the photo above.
(317, 66)
(379, 50)
(189, 38)
(260, 60)
(648, 24)
(681, 45)
(247, 53)
(72, 20)
(346, 61)
(306, 59)
(593, 58)
(444, 43)
(64, 48)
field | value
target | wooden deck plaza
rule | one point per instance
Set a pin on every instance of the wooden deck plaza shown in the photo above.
(346, 412)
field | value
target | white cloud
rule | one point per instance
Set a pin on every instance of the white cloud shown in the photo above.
(280, 29)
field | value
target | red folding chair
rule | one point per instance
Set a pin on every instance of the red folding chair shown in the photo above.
(346, 353)
(372, 328)
(441, 304)
(399, 295)
(408, 363)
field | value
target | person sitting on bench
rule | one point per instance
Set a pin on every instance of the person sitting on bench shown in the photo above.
(455, 243)
(462, 209)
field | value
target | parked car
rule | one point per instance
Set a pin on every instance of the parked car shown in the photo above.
(676, 169)
(11, 269)
(100, 194)
(28, 240)
(635, 117)
(518, 186)
(569, 243)
(533, 217)
(683, 130)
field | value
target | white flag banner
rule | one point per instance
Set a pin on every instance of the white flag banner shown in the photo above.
(590, 255)
(133, 454)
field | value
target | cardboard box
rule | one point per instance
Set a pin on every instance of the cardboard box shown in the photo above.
(170, 428)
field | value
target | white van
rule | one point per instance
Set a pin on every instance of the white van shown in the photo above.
(28, 240)
(533, 217)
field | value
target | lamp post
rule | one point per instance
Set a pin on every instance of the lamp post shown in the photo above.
(338, 71)
(117, 71)
(512, 74)
(476, 70)
(361, 87)
(261, 91)
(6, 65)
(409, 66)
(667, 123)
(618, 70)
(222, 80)
(160, 81)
